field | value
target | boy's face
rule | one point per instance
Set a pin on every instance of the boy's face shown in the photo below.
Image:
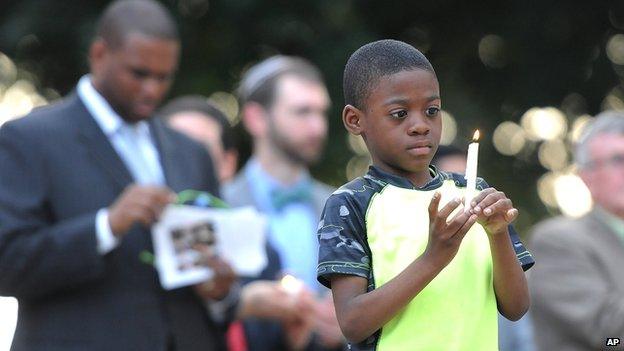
(401, 123)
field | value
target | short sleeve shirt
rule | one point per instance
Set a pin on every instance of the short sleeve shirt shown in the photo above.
(376, 225)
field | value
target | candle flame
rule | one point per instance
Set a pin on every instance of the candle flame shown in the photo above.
(475, 137)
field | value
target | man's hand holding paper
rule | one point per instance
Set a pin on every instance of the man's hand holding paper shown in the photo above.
(237, 236)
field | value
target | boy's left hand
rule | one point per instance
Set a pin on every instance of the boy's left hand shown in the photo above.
(494, 209)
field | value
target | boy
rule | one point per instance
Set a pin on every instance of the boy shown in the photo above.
(400, 279)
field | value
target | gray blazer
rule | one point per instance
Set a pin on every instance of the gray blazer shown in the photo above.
(577, 287)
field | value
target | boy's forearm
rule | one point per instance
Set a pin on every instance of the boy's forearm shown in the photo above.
(510, 285)
(362, 315)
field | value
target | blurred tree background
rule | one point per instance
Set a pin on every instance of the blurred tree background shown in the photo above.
(526, 73)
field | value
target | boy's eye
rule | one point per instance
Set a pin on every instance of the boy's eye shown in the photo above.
(399, 114)
(432, 111)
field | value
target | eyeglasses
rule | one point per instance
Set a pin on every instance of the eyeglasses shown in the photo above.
(615, 161)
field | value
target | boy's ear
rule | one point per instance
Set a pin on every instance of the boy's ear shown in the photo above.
(352, 119)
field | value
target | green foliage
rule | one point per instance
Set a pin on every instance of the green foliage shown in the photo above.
(549, 49)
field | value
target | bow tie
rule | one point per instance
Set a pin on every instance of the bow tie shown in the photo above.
(280, 198)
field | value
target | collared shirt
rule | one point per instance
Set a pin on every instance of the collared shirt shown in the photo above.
(292, 228)
(133, 144)
(615, 223)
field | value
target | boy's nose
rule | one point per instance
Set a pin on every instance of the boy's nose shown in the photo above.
(418, 126)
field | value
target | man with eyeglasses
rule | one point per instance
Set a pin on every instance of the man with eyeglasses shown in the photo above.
(577, 288)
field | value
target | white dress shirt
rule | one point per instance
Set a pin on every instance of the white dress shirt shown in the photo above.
(134, 145)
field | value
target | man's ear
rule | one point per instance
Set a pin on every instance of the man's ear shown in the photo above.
(97, 55)
(229, 165)
(352, 118)
(255, 119)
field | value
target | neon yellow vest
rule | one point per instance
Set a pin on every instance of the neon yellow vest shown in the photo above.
(457, 310)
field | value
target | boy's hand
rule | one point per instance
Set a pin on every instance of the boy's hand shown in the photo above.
(494, 210)
(446, 236)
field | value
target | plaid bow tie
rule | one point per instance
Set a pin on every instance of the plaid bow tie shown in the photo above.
(280, 198)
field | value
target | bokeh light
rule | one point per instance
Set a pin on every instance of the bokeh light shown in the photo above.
(8, 71)
(615, 49)
(8, 320)
(574, 104)
(553, 154)
(545, 123)
(546, 189)
(356, 144)
(577, 128)
(357, 166)
(614, 100)
(18, 100)
(509, 138)
(228, 104)
(492, 51)
(573, 197)
(449, 129)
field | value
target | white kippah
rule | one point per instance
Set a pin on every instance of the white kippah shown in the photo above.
(257, 75)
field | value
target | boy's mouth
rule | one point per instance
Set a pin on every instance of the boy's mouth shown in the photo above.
(423, 148)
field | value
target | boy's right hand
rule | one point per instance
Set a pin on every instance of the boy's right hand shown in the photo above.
(445, 236)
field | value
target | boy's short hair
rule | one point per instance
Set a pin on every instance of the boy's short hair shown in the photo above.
(375, 60)
(200, 104)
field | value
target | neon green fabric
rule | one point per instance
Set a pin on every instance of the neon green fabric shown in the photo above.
(457, 310)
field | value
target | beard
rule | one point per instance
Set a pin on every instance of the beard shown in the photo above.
(306, 153)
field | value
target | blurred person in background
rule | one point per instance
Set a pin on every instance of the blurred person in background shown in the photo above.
(262, 297)
(284, 103)
(512, 336)
(199, 119)
(82, 181)
(578, 286)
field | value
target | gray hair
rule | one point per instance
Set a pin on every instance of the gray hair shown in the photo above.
(259, 82)
(608, 122)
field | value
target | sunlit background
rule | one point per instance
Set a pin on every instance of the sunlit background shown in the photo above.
(529, 75)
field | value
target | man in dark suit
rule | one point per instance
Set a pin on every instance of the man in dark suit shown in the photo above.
(82, 181)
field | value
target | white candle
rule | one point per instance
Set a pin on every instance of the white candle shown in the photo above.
(471, 170)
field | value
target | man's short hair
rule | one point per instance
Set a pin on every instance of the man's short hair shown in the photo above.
(608, 122)
(375, 60)
(260, 81)
(145, 17)
(201, 105)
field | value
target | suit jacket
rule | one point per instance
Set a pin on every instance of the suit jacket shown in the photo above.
(266, 335)
(577, 287)
(57, 169)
